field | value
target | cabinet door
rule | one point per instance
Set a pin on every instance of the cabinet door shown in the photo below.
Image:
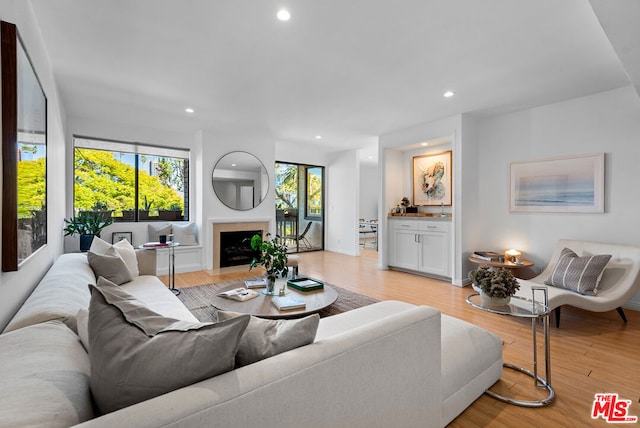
(434, 253)
(405, 254)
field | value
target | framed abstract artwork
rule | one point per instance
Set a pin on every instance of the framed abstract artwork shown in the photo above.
(431, 175)
(573, 184)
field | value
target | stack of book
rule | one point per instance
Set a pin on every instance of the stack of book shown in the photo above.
(489, 256)
(255, 283)
(288, 303)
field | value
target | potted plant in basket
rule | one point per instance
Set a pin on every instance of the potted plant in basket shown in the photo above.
(496, 285)
(272, 256)
(87, 225)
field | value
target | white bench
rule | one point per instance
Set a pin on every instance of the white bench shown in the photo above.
(620, 279)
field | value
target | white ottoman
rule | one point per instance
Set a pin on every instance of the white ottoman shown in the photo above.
(471, 363)
(292, 262)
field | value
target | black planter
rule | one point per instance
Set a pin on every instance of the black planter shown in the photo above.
(85, 242)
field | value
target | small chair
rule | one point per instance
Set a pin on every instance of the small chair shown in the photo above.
(301, 238)
(620, 279)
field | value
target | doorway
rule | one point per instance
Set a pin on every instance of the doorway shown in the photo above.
(299, 191)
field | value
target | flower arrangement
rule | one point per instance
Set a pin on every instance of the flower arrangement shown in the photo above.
(273, 256)
(495, 282)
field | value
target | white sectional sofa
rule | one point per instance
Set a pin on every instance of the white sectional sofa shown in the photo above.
(387, 364)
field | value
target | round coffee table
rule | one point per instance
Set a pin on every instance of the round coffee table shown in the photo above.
(262, 306)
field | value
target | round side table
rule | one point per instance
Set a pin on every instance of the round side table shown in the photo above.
(520, 270)
(525, 308)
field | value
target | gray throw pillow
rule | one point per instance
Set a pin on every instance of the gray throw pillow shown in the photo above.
(580, 274)
(137, 354)
(110, 266)
(264, 338)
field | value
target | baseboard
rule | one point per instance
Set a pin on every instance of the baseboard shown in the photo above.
(632, 305)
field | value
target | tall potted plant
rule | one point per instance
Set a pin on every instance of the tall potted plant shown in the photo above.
(272, 256)
(87, 225)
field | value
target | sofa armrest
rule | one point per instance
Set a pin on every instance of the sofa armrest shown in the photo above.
(146, 261)
(382, 373)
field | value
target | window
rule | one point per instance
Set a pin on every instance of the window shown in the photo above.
(131, 182)
(314, 193)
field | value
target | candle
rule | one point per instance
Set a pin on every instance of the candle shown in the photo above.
(512, 255)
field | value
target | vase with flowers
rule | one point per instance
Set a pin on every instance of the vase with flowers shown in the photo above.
(496, 285)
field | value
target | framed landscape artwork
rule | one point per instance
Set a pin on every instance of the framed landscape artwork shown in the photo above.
(431, 175)
(572, 184)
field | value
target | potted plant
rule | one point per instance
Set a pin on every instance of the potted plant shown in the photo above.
(173, 213)
(272, 256)
(146, 206)
(496, 285)
(87, 225)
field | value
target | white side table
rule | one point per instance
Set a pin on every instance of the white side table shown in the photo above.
(525, 308)
(172, 261)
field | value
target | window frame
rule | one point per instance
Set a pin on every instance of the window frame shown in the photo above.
(137, 150)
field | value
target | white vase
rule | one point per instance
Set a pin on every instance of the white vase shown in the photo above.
(494, 301)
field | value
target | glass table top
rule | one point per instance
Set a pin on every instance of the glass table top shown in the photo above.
(517, 307)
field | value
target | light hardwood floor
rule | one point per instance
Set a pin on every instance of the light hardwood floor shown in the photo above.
(590, 353)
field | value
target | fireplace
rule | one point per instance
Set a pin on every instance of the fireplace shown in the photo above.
(218, 227)
(235, 247)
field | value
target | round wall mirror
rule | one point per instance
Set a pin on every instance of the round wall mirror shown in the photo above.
(240, 180)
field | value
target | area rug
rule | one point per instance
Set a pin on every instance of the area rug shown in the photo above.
(197, 299)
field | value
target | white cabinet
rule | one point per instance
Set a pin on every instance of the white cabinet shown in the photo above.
(420, 245)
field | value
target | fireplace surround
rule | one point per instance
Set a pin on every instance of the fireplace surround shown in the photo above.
(219, 226)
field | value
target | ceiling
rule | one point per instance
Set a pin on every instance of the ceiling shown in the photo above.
(347, 71)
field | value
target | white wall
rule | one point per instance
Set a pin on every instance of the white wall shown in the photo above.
(15, 287)
(607, 122)
(342, 204)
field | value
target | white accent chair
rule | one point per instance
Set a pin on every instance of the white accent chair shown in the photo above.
(620, 279)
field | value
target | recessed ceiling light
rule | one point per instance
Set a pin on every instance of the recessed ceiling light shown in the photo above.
(233, 164)
(424, 144)
(370, 157)
(318, 137)
(189, 110)
(283, 15)
(449, 94)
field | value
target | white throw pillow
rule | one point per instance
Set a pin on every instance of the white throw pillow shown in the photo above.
(155, 230)
(185, 234)
(124, 250)
(137, 354)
